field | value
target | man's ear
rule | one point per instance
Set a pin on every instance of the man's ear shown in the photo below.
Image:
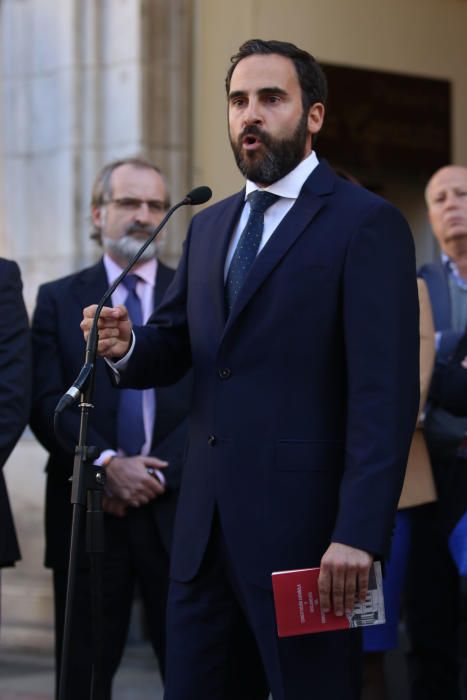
(98, 215)
(315, 117)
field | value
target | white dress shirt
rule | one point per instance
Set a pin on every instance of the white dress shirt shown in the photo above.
(287, 188)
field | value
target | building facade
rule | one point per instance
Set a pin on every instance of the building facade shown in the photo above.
(85, 81)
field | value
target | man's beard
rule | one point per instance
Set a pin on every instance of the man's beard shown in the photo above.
(275, 158)
(126, 247)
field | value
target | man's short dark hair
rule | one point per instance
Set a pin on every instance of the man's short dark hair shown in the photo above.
(310, 74)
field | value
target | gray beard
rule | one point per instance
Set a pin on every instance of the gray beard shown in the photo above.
(126, 247)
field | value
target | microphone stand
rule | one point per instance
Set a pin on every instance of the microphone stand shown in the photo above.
(88, 480)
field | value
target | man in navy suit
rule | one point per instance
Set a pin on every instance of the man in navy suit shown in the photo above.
(295, 303)
(434, 620)
(129, 198)
(15, 391)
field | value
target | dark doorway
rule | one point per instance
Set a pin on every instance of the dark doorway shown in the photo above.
(391, 132)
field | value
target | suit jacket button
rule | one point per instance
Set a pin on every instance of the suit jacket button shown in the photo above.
(225, 373)
(212, 440)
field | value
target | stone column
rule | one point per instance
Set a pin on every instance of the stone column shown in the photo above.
(83, 82)
(166, 51)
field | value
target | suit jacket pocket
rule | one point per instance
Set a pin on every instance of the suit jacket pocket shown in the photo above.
(309, 455)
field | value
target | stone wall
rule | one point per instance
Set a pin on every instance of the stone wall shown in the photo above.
(83, 82)
(27, 603)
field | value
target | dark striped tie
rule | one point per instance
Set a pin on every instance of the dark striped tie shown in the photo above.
(130, 424)
(248, 245)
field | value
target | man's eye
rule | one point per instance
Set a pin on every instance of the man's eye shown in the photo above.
(132, 204)
(128, 203)
(156, 205)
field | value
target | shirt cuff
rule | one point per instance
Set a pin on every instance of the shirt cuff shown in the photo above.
(123, 361)
(104, 458)
(157, 474)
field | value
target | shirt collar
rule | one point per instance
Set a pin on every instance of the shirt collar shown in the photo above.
(453, 271)
(290, 185)
(147, 270)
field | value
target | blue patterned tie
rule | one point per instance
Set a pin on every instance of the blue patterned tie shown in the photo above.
(130, 425)
(248, 245)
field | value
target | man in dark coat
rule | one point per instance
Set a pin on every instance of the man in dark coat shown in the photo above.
(434, 621)
(15, 391)
(140, 437)
(295, 302)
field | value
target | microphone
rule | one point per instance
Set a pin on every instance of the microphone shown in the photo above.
(199, 195)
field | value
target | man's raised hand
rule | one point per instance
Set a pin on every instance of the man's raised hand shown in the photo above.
(114, 327)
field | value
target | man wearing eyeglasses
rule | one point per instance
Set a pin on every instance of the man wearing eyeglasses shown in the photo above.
(140, 435)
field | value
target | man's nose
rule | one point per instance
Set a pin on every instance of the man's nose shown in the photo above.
(143, 213)
(451, 200)
(253, 114)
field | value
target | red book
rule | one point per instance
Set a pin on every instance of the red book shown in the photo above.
(298, 610)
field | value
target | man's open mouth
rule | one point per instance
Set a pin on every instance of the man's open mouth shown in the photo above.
(250, 142)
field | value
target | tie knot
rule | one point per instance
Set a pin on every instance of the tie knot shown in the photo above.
(130, 282)
(260, 200)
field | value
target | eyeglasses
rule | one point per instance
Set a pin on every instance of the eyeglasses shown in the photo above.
(155, 206)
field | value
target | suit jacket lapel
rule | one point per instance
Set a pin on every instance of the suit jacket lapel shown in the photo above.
(291, 227)
(436, 277)
(91, 284)
(223, 225)
(163, 278)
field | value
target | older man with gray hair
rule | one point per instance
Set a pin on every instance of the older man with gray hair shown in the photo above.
(433, 602)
